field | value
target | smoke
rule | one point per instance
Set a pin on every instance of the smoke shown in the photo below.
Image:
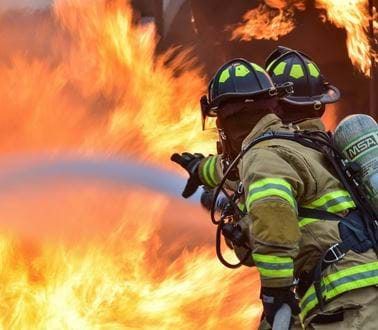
(24, 4)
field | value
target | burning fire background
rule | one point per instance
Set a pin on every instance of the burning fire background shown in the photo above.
(84, 80)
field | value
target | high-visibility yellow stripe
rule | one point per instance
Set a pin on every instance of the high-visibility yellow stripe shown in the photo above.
(337, 283)
(209, 172)
(241, 206)
(341, 207)
(273, 266)
(275, 273)
(263, 182)
(335, 201)
(270, 187)
(306, 221)
(213, 170)
(271, 259)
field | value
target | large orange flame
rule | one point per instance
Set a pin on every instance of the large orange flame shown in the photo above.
(97, 87)
(100, 62)
(353, 16)
(270, 20)
(275, 19)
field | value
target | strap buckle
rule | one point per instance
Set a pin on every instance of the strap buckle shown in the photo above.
(273, 91)
(334, 253)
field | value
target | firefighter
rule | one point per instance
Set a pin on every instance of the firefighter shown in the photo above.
(302, 109)
(281, 179)
(312, 93)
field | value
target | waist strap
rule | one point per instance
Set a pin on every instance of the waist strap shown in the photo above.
(353, 237)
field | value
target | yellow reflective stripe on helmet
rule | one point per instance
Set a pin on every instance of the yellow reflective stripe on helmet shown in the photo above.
(270, 187)
(209, 172)
(273, 266)
(337, 283)
(306, 221)
(335, 201)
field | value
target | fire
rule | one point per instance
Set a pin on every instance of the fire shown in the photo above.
(270, 20)
(275, 19)
(95, 51)
(129, 279)
(330, 118)
(86, 259)
(353, 16)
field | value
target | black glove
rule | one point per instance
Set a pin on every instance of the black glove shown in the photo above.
(273, 299)
(190, 162)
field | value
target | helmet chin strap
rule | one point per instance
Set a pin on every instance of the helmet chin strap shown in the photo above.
(227, 154)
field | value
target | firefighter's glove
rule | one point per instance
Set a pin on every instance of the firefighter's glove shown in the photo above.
(273, 299)
(190, 162)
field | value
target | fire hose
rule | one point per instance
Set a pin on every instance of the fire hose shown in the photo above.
(119, 171)
(282, 318)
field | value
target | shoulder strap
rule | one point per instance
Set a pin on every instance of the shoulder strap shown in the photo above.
(318, 214)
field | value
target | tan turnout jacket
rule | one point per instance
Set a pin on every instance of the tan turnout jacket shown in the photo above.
(278, 176)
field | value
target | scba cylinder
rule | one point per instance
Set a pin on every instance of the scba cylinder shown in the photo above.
(357, 138)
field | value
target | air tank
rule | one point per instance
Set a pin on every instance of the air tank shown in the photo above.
(357, 138)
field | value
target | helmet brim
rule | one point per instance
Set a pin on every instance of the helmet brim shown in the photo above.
(214, 105)
(332, 95)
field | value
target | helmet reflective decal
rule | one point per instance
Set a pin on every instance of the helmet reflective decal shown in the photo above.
(241, 70)
(296, 71)
(280, 68)
(313, 70)
(224, 76)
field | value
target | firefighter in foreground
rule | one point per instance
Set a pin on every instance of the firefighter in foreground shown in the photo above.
(279, 178)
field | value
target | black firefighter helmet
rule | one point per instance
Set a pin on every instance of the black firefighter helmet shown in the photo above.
(310, 88)
(241, 80)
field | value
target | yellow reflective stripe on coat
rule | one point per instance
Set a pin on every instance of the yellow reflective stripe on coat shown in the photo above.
(337, 283)
(334, 202)
(306, 221)
(270, 187)
(209, 172)
(273, 266)
(241, 206)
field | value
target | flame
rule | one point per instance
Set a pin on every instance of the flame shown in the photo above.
(274, 19)
(330, 117)
(98, 87)
(97, 52)
(270, 20)
(353, 16)
(127, 280)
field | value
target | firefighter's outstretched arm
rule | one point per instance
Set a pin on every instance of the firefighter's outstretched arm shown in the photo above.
(202, 170)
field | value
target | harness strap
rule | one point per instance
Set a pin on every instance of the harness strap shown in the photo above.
(337, 251)
(331, 318)
(318, 214)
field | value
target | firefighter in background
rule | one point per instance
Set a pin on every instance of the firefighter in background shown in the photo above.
(312, 93)
(280, 177)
